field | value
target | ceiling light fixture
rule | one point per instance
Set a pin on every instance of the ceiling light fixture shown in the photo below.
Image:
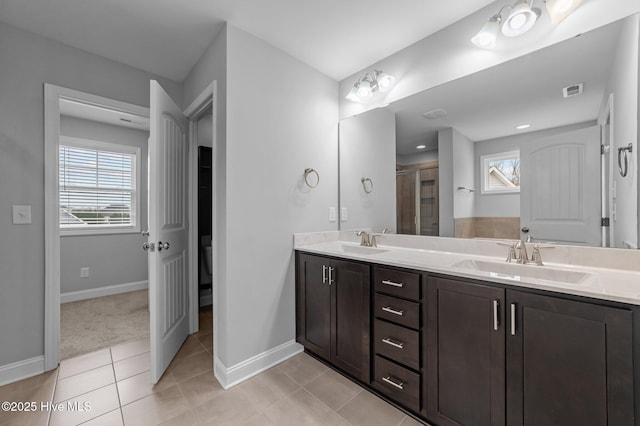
(521, 18)
(367, 85)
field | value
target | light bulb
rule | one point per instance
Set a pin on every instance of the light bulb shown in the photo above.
(385, 81)
(521, 19)
(353, 95)
(560, 9)
(486, 37)
(364, 90)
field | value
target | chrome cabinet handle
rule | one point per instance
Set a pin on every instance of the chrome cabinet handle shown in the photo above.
(392, 311)
(496, 305)
(513, 319)
(391, 283)
(324, 274)
(395, 344)
(331, 280)
(148, 246)
(163, 246)
(389, 379)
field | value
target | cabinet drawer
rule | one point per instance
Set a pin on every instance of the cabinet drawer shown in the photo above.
(398, 343)
(397, 382)
(397, 283)
(398, 311)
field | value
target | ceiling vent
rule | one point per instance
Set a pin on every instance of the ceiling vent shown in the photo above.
(436, 113)
(573, 90)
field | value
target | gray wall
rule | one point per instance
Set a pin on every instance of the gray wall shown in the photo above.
(368, 149)
(27, 62)
(101, 252)
(445, 182)
(463, 175)
(418, 158)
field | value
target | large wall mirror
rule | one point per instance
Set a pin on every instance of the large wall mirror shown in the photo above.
(534, 148)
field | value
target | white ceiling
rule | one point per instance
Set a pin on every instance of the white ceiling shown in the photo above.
(167, 37)
(527, 90)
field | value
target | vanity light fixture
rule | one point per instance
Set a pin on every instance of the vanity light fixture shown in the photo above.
(521, 18)
(367, 85)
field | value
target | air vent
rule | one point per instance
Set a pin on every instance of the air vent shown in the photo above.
(436, 113)
(573, 90)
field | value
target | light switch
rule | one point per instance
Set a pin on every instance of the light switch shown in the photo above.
(343, 214)
(21, 215)
(332, 214)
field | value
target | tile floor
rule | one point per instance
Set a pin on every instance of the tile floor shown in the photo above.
(116, 382)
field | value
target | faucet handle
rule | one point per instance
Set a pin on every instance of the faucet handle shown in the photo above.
(386, 231)
(536, 256)
(372, 240)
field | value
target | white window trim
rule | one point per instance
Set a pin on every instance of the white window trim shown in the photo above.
(484, 167)
(109, 229)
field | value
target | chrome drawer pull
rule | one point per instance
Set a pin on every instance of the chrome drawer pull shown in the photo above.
(496, 321)
(513, 319)
(389, 380)
(392, 311)
(399, 345)
(391, 283)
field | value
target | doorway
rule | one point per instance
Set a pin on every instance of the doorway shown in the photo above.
(417, 199)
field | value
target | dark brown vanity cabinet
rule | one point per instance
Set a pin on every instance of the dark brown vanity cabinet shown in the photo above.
(333, 312)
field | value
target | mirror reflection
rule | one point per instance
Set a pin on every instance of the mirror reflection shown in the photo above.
(527, 149)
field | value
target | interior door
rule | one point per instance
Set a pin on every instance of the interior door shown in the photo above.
(406, 202)
(168, 230)
(560, 198)
(429, 208)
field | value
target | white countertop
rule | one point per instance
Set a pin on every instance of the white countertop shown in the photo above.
(619, 285)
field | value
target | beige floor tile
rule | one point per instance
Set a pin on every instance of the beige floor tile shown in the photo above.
(268, 387)
(83, 382)
(112, 418)
(82, 363)
(258, 420)
(137, 387)
(132, 366)
(200, 388)
(299, 409)
(367, 409)
(191, 346)
(156, 408)
(206, 340)
(129, 349)
(185, 368)
(101, 402)
(37, 418)
(42, 392)
(23, 387)
(302, 368)
(333, 389)
(410, 421)
(230, 408)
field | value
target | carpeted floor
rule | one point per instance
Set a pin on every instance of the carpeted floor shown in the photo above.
(88, 325)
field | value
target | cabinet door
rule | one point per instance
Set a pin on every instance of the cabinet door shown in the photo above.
(569, 363)
(350, 307)
(313, 322)
(465, 353)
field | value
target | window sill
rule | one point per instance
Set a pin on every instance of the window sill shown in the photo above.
(99, 231)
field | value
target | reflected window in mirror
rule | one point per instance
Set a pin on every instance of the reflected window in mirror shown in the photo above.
(500, 172)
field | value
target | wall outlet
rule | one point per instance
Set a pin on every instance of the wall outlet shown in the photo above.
(332, 214)
(21, 215)
(84, 272)
(344, 216)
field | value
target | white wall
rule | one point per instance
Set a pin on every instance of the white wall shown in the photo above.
(445, 182)
(463, 175)
(101, 252)
(27, 62)
(421, 157)
(449, 54)
(368, 149)
(623, 83)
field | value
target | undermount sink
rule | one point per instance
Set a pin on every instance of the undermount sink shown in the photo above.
(361, 249)
(516, 272)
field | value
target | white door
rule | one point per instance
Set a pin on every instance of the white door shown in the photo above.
(168, 230)
(560, 188)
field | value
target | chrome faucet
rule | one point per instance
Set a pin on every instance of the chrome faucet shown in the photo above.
(364, 240)
(521, 252)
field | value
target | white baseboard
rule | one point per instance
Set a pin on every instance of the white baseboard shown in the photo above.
(229, 377)
(73, 296)
(21, 370)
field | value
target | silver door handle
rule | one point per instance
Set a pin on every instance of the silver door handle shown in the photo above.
(496, 320)
(399, 345)
(147, 246)
(391, 283)
(331, 280)
(392, 311)
(389, 379)
(513, 319)
(324, 274)
(163, 246)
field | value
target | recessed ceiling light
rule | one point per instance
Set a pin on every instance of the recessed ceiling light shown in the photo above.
(421, 146)
(434, 114)
(523, 126)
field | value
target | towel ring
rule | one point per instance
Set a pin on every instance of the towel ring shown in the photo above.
(367, 188)
(310, 171)
(622, 153)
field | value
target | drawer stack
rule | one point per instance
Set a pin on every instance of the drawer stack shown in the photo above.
(396, 335)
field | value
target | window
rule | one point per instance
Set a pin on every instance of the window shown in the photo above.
(500, 172)
(97, 187)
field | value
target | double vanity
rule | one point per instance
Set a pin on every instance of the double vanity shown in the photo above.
(447, 330)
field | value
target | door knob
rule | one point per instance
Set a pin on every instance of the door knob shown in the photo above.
(145, 233)
(147, 246)
(163, 246)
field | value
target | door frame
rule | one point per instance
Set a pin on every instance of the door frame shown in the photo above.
(52, 96)
(607, 114)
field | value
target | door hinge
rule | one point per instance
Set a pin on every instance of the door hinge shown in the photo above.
(604, 221)
(604, 149)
